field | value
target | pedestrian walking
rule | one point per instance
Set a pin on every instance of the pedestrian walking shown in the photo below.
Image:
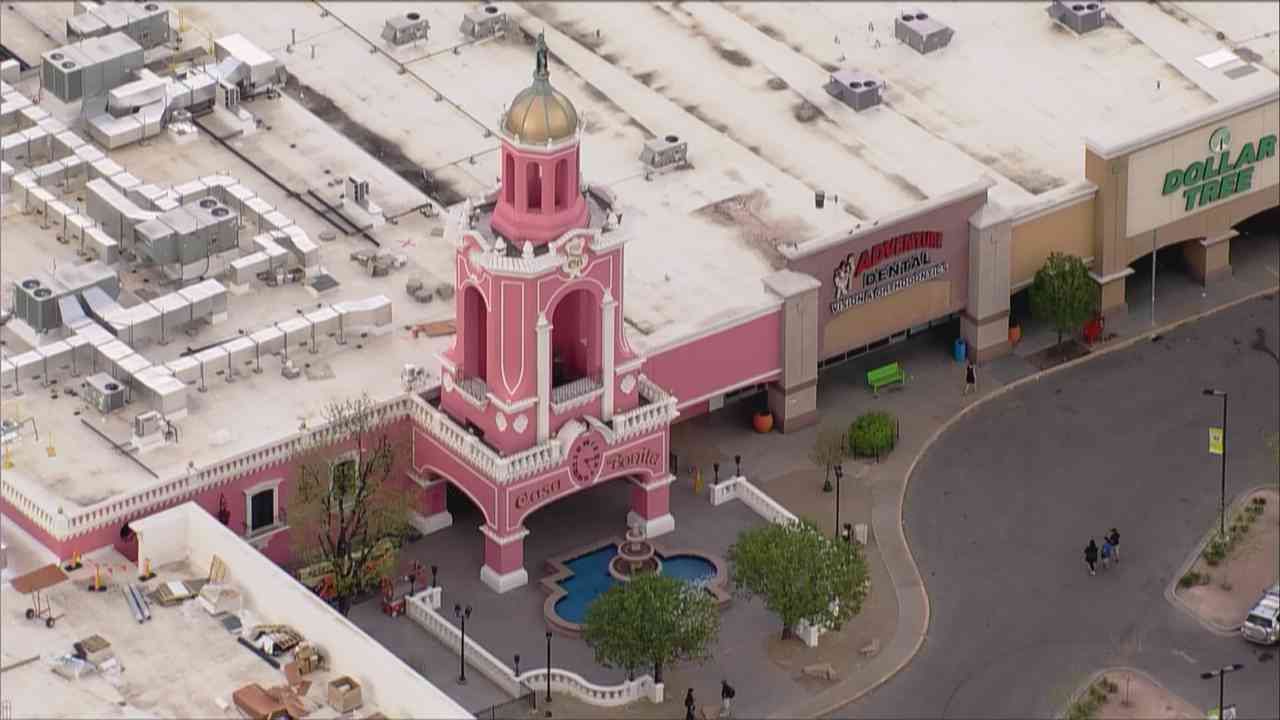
(1114, 539)
(1090, 559)
(970, 378)
(726, 698)
(1107, 548)
(689, 704)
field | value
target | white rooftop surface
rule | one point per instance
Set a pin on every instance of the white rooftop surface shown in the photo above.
(183, 663)
(1011, 98)
(256, 409)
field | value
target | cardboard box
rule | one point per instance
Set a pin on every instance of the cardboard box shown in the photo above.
(344, 694)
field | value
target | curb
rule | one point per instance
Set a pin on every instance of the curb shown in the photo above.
(999, 392)
(1097, 675)
(1171, 591)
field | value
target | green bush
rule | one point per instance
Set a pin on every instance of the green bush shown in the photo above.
(873, 434)
(1260, 501)
(1191, 578)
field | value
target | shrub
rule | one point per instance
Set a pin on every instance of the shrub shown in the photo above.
(1260, 501)
(1112, 686)
(873, 434)
(1191, 578)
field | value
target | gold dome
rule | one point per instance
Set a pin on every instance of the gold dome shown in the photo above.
(540, 113)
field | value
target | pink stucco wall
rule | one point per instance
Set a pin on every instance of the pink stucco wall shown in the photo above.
(724, 360)
(277, 547)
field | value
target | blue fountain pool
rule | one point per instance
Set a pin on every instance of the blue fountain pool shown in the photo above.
(591, 578)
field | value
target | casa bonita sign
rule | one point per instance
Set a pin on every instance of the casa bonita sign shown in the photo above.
(1220, 175)
(880, 271)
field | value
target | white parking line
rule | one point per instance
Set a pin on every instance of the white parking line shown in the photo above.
(1184, 656)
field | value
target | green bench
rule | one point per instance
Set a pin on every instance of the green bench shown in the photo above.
(885, 375)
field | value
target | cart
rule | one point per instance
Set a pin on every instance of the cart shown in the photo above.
(35, 583)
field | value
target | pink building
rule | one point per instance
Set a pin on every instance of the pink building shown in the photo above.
(541, 395)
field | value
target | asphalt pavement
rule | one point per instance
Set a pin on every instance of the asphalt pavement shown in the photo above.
(1000, 508)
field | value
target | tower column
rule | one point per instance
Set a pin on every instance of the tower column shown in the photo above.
(608, 308)
(503, 560)
(544, 378)
(546, 172)
(651, 506)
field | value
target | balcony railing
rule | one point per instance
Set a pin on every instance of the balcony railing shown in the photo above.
(475, 391)
(575, 394)
(659, 409)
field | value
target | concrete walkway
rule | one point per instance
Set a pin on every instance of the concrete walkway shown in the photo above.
(929, 403)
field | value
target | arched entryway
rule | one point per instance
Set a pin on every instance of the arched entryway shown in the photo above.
(575, 338)
(475, 334)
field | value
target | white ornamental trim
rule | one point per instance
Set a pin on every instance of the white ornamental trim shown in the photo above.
(501, 421)
(628, 383)
(521, 423)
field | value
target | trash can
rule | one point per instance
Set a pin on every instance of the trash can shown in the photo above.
(961, 350)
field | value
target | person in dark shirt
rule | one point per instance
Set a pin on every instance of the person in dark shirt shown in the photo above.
(726, 698)
(1090, 559)
(970, 378)
(1114, 539)
(689, 704)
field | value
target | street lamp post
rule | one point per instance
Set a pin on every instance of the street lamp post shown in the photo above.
(462, 614)
(839, 475)
(548, 670)
(1221, 674)
(1222, 504)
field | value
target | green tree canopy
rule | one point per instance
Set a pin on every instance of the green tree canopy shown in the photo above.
(346, 519)
(828, 450)
(1063, 294)
(652, 621)
(799, 572)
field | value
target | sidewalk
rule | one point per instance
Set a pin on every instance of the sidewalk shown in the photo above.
(929, 402)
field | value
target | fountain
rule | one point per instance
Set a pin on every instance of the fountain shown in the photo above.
(636, 556)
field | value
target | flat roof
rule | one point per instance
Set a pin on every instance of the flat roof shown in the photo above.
(1010, 99)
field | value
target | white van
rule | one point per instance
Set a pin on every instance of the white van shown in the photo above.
(1263, 623)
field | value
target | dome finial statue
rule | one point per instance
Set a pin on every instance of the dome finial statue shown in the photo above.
(540, 69)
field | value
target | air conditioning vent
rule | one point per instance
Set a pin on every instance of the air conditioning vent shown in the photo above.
(921, 32)
(104, 393)
(30, 283)
(405, 28)
(219, 212)
(484, 21)
(207, 203)
(858, 90)
(42, 292)
(665, 153)
(1081, 17)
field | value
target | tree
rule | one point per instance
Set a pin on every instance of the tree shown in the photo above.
(344, 514)
(801, 574)
(828, 450)
(653, 620)
(1063, 294)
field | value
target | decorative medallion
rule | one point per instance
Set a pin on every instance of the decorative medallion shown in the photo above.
(628, 383)
(501, 421)
(575, 256)
(520, 423)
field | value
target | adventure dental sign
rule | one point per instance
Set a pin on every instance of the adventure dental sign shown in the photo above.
(1220, 175)
(879, 270)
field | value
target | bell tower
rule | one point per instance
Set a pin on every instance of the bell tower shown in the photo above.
(540, 276)
(541, 196)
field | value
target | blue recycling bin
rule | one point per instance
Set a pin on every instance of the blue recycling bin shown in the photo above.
(961, 350)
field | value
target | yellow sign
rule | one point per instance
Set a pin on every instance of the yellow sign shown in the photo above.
(1215, 441)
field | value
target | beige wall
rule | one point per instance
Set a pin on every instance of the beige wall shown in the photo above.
(1069, 230)
(1214, 220)
(913, 306)
(1148, 208)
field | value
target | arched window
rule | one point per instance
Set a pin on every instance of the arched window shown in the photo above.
(509, 178)
(475, 317)
(533, 183)
(562, 183)
(575, 338)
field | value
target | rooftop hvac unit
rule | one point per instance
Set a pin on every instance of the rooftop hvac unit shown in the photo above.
(858, 90)
(1082, 17)
(666, 152)
(484, 21)
(37, 305)
(405, 28)
(922, 32)
(104, 393)
(358, 190)
(147, 423)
